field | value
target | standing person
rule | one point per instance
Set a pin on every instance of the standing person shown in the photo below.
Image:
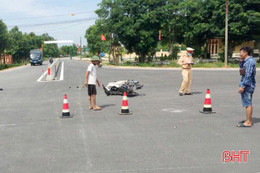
(247, 84)
(50, 60)
(186, 61)
(91, 81)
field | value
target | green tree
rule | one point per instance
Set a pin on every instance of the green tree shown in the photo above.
(49, 50)
(253, 12)
(238, 24)
(206, 19)
(34, 41)
(69, 50)
(3, 37)
(192, 22)
(93, 36)
(134, 22)
(173, 23)
(18, 46)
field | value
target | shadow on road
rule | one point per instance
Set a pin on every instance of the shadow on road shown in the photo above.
(108, 105)
(136, 95)
(256, 120)
(194, 93)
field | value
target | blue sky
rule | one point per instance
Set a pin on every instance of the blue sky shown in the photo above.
(26, 14)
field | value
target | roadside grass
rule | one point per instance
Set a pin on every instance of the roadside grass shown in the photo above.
(6, 66)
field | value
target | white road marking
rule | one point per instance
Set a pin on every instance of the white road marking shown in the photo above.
(45, 74)
(39, 80)
(3, 125)
(173, 110)
(62, 71)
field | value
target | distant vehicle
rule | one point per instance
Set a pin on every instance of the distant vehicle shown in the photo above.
(36, 57)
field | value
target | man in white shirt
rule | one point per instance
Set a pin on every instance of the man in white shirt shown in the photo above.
(91, 82)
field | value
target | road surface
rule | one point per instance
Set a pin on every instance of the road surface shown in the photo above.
(165, 134)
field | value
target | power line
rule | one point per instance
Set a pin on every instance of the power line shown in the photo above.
(55, 29)
(54, 23)
(59, 15)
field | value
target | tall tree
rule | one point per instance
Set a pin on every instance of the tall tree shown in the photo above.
(134, 22)
(49, 50)
(18, 45)
(192, 22)
(173, 23)
(69, 50)
(238, 24)
(34, 41)
(93, 37)
(253, 12)
(3, 37)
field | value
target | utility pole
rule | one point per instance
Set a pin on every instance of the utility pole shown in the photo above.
(226, 35)
(110, 47)
(80, 49)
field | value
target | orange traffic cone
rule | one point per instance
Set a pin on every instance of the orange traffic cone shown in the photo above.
(207, 104)
(125, 109)
(65, 110)
(49, 70)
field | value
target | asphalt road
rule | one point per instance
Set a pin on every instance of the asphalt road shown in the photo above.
(165, 134)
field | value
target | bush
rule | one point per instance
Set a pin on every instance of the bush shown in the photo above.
(222, 57)
(5, 66)
(175, 52)
(163, 58)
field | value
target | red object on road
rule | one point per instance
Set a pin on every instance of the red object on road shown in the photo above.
(207, 104)
(49, 71)
(125, 108)
(65, 110)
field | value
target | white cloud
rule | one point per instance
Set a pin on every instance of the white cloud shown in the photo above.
(15, 9)
(30, 8)
(19, 6)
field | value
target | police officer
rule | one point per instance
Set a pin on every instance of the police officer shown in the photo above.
(186, 62)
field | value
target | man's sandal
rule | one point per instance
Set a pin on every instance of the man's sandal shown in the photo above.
(97, 108)
(243, 125)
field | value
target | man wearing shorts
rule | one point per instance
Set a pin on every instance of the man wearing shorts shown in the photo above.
(91, 81)
(247, 84)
